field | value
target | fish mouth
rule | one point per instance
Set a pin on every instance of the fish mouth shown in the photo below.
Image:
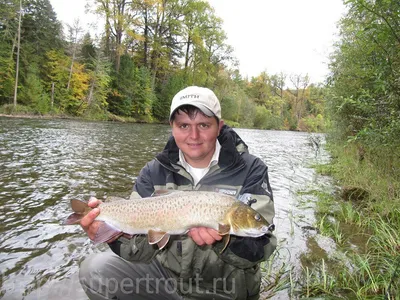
(252, 232)
(267, 229)
(257, 232)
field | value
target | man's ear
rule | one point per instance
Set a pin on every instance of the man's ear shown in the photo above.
(171, 123)
(221, 123)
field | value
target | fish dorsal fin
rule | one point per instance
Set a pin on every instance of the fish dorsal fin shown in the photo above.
(160, 238)
(224, 229)
(79, 206)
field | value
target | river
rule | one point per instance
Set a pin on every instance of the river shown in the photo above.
(45, 163)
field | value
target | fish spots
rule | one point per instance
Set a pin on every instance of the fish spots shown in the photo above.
(178, 212)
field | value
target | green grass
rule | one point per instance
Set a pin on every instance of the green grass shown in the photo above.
(363, 218)
(276, 275)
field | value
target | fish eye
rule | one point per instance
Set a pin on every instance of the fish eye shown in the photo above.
(257, 217)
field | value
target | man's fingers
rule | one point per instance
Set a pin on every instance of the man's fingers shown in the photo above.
(92, 229)
(204, 235)
(215, 235)
(93, 202)
(89, 218)
(194, 234)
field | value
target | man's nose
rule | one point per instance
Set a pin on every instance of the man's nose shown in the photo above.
(194, 132)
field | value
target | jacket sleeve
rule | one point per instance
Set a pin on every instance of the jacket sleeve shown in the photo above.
(246, 252)
(137, 248)
(144, 184)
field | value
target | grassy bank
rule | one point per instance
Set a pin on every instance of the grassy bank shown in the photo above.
(363, 218)
(21, 111)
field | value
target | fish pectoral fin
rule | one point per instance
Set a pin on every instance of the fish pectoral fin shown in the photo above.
(105, 233)
(160, 238)
(224, 229)
(79, 206)
(163, 242)
(73, 219)
(226, 240)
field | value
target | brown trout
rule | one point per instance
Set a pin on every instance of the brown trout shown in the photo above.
(173, 214)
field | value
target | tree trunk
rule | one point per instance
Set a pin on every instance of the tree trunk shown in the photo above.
(72, 67)
(90, 96)
(146, 38)
(75, 30)
(52, 95)
(19, 46)
(187, 52)
(157, 42)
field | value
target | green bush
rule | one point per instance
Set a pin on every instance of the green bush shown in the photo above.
(9, 109)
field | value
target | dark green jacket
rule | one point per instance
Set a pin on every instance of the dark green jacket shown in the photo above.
(234, 273)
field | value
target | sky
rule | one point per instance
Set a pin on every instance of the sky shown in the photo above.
(290, 36)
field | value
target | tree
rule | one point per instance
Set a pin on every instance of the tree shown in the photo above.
(74, 32)
(365, 90)
(98, 68)
(260, 88)
(118, 18)
(300, 84)
(41, 31)
(8, 40)
(72, 100)
(33, 93)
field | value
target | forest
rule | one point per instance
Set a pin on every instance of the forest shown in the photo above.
(146, 52)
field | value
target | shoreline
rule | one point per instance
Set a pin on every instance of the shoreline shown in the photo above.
(25, 116)
(114, 118)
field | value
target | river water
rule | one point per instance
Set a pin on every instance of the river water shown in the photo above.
(45, 163)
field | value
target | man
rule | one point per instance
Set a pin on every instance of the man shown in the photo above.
(202, 154)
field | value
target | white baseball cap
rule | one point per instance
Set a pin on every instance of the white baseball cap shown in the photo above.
(200, 97)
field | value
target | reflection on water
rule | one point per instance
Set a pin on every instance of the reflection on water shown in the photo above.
(45, 163)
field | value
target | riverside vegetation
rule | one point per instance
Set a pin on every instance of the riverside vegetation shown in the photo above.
(363, 218)
(150, 50)
(363, 215)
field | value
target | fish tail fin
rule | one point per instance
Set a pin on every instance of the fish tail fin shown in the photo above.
(80, 209)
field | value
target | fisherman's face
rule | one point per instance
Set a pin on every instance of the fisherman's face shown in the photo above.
(196, 137)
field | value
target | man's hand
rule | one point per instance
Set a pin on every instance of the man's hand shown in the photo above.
(88, 223)
(204, 235)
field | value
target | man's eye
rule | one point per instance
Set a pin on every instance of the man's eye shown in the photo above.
(184, 126)
(203, 126)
